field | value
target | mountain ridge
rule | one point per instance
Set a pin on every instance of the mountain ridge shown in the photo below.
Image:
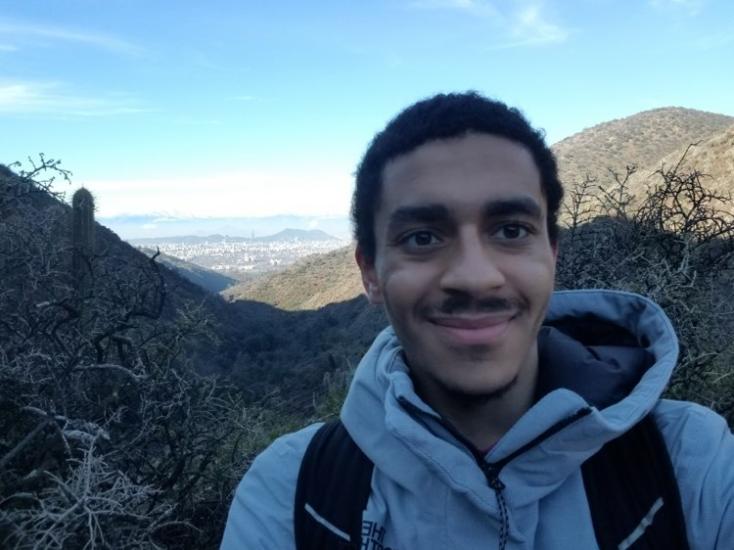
(641, 139)
(310, 283)
(712, 157)
(336, 273)
(207, 279)
(288, 234)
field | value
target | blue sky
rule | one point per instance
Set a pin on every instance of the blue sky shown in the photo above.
(244, 108)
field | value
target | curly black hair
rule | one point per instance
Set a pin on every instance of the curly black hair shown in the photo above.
(446, 116)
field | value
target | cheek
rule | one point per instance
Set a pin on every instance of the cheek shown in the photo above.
(407, 279)
(540, 264)
(405, 288)
(537, 279)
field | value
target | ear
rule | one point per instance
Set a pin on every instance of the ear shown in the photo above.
(369, 276)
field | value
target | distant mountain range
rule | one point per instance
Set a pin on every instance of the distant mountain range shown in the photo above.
(648, 140)
(297, 318)
(161, 225)
(261, 348)
(285, 330)
(98, 331)
(287, 235)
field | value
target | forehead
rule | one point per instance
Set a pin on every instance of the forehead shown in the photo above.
(467, 170)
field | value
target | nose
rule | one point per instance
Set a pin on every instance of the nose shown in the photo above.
(473, 267)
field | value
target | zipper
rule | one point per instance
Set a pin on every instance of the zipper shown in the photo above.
(491, 470)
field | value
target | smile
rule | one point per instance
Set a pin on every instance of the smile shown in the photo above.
(483, 330)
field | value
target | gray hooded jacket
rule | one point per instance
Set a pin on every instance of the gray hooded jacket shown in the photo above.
(609, 351)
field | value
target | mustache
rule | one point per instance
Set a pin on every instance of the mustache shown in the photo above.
(466, 303)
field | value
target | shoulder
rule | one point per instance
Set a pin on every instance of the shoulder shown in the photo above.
(701, 448)
(261, 514)
(695, 436)
(287, 448)
(690, 429)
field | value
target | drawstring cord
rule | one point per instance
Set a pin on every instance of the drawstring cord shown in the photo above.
(505, 525)
(492, 470)
(492, 475)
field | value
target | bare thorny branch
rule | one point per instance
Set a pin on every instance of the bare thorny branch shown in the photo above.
(109, 439)
(675, 244)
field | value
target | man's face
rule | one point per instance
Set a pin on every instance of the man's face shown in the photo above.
(463, 263)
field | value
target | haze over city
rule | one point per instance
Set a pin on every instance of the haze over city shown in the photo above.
(232, 110)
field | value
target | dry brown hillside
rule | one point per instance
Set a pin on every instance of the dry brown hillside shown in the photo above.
(642, 140)
(310, 283)
(647, 140)
(713, 157)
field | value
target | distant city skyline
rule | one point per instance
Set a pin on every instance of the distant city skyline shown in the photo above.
(235, 257)
(238, 109)
(141, 227)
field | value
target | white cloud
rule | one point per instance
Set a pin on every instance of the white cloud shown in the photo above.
(532, 27)
(526, 25)
(308, 191)
(29, 97)
(23, 31)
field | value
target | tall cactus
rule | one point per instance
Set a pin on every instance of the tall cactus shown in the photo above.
(82, 237)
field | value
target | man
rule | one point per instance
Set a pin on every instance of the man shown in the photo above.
(482, 401)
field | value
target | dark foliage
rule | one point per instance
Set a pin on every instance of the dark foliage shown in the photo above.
(112, 436)
(674, 245)
(110, 439)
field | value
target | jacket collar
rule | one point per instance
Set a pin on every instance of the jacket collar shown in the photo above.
(634, 356)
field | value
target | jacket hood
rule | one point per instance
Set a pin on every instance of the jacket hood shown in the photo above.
(608, 354)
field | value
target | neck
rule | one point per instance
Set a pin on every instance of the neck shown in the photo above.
(484, 418)
(484, 423)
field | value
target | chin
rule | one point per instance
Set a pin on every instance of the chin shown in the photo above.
(479, 393)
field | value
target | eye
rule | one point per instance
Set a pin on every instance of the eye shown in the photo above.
(420, 239)
(512, 231)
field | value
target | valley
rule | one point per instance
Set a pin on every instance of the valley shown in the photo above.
(180, 366)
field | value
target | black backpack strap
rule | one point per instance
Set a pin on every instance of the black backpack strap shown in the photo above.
(332, 491)
(633, 492)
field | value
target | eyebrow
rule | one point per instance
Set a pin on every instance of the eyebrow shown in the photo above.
(523, 206)
(438, 213)
(429, 213)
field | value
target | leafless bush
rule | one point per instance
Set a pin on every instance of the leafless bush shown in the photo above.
(675, 246)
(109, 438)
(92, 506)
